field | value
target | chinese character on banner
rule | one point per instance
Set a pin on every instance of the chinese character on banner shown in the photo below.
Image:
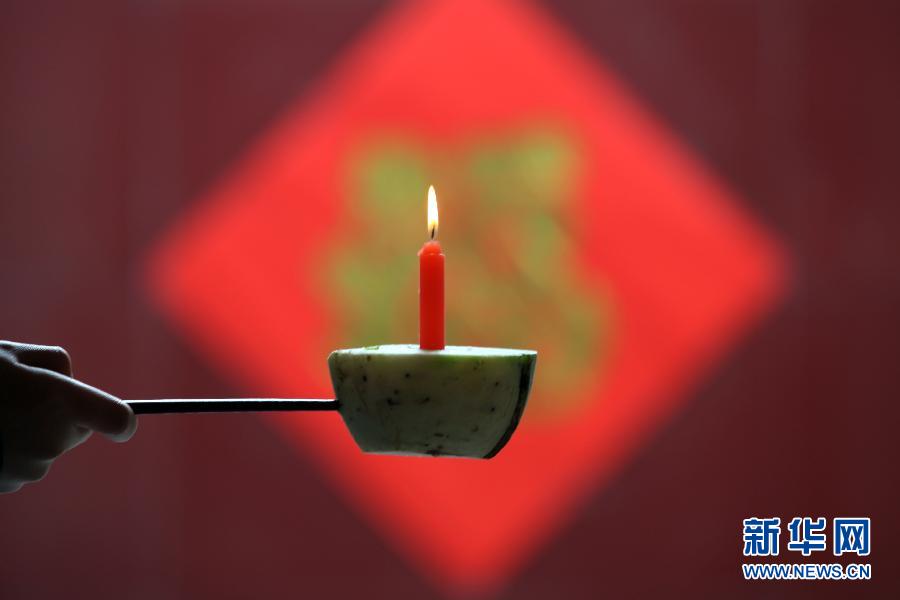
(852, 536)
(761, 536)
(807, 535)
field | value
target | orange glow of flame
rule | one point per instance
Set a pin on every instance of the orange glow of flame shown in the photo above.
(432, 212)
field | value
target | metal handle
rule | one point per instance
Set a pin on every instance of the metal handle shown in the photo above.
(223, 405)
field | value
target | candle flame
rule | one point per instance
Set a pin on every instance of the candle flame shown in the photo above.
(432, 212)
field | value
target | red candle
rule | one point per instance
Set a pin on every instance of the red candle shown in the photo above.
(431, 284)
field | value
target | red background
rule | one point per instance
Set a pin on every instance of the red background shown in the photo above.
(115, 117)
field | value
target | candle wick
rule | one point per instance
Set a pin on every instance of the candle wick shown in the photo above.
(433, 230)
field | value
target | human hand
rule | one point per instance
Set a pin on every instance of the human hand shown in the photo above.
(44, 412)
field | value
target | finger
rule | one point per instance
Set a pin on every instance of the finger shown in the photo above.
(22, 469)
(52, 358)
(93, 408)
(79, 436)
(48, 438)
(8, 487)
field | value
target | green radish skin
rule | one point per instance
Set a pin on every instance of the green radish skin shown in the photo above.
(461, 401)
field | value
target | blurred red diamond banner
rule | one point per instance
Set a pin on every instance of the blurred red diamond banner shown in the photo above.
(575, 222)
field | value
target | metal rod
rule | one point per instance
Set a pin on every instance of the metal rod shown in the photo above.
(223, 405)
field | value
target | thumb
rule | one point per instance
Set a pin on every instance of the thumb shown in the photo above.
(93, 408)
